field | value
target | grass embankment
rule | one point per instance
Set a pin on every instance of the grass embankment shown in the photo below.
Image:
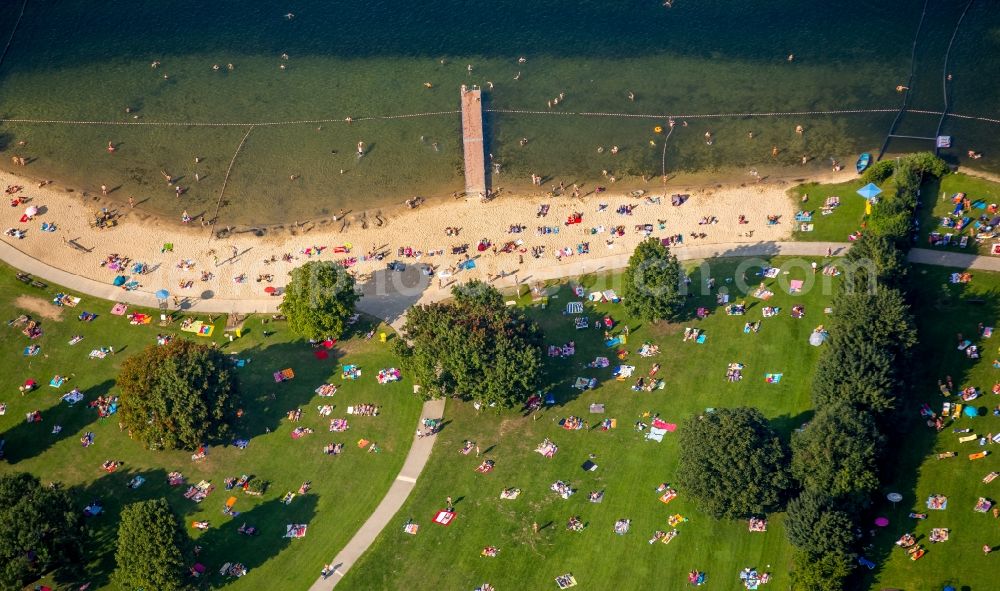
(345, 488)
(837, 226)
(942, 310)
(629, 467)
(937, 206)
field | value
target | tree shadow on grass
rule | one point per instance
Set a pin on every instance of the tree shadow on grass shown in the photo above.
(268, 401)
(224, 543)
(112, 492)
(941, 310)
(26, 440)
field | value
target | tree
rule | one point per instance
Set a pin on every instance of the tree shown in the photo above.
(319, 299)
(822, 572)
(474, 346)
(814, 524)
(653, 283)
(870, 339)
(873, 260)
(40, 531)
(732, 463)
(837, 453)
(178, 396)
(149, 548)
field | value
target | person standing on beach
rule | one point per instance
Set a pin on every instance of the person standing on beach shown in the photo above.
(104, 190)
(131, 202)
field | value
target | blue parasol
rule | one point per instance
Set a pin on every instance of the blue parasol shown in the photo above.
(869, 191)
(162, 294)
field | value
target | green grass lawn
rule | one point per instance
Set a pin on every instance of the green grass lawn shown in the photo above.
(937, 204)
(836, 226)
(345, 488)
(942, 311)
(629, 467)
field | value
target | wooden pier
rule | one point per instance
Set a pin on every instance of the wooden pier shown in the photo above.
(473, 142)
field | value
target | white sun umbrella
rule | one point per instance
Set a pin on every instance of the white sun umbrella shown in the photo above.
(31, 211)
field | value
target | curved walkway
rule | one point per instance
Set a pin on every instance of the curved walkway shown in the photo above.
(390, 306)
(420, 451)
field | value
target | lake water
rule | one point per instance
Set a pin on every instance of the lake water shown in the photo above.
(73, 60)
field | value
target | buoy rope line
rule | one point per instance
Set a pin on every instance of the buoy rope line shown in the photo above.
(10, 39)
(225, 181)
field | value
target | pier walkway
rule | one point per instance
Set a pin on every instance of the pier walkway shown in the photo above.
(473, 142)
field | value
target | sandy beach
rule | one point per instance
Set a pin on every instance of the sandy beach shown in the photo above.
(230, 267)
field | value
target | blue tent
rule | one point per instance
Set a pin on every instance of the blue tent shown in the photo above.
(869, 191)
(120, 280)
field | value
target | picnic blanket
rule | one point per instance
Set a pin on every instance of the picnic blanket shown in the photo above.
(283, 375)
(656, 434)
(119, 309)
(326, 390)
(444, 517)
(296, 530)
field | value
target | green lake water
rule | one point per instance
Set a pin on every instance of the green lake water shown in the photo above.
(83, 61)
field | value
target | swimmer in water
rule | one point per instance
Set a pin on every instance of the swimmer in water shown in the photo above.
(284, 56)
(361, 149)
(631, 96)
(155, 64)
(524, 141)
(522, 59)
(230, 67)
(215, 67)
(469, 69)
(799, 129)
(490, 84)
(281, 67)
(289, 16)
(791, 57)
(111, 147)
(517, 76)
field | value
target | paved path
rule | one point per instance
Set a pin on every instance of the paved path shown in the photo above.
(420, 451)
(959, 260)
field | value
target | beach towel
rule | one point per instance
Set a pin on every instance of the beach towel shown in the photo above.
(321, 354)
(979, 455)
(444, 517)
(772, 378)
(411, 528)
(967, 438)
(596, 408)
(574, 307)
(119, 309)
(296, 530)
(656, 434)
(795, 286)
(73, 397)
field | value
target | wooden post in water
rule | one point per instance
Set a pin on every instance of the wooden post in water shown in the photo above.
(473, 142)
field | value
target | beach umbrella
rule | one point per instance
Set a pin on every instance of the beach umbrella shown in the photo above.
(971, 411)
(881, 521)
(162, 294)
(869, 191)
(31, 211)
(120, 280)
(269, 289)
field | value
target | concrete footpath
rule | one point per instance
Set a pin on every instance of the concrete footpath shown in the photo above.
(420, 451)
